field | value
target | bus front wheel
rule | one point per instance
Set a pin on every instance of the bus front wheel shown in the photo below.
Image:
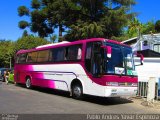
(77, 91)
(28, 83)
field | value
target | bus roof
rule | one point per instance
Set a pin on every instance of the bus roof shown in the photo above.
(64, 43)
(52, 44)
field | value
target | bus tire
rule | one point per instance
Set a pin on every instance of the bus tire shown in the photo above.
(77, 92)
(28, 83)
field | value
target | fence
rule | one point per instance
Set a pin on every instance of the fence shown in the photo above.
(150, 68)
(143, 90)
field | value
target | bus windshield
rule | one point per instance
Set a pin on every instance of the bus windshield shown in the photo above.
(121, 61)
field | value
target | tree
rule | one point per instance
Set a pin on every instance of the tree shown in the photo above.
(9, 48)
(23, 24)
(23, 10)
(28, 42)
(148, 28)
(107, 17)
(110, 18)
(157, 26)
(6, 52)
(35, 4)
(25, 33)
(134, 28)
(82, 31)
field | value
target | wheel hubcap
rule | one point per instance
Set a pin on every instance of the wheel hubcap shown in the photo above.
(28, 83)
(77, 91)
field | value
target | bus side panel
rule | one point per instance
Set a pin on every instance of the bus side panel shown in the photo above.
(63, 77)
(55, 74)
(21, 72)
(60, 76)
(92, 88)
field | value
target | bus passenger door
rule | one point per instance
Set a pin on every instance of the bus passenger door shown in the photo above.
(93, 58)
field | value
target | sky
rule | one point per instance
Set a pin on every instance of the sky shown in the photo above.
(148, 10)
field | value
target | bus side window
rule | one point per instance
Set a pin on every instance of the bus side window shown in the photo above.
(74, 52)
(58, 54)
(43, 56)
(21, 58)
(32, 57)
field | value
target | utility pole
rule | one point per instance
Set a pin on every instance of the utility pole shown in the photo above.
(10, 62)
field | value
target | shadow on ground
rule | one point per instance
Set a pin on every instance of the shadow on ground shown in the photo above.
(86, 98)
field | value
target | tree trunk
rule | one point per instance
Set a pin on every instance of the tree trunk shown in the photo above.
(60, 33)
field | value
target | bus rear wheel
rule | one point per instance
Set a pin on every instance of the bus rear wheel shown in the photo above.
(28, 83)
(77, 91)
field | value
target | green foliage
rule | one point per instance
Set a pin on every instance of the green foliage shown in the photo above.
(81, 18)
(136, 28)
(35, 4)
(84, 30)
(23, 10)
(148, 28)
(25, 33)
(29, 42)
(23, 24)
(157, 26)
(53, 38)
(110, 20)
(9, 48)
(6, 52)
(39, 25)
(120, 39)
(115, 22)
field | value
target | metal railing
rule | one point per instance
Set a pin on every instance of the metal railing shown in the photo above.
(143, 90)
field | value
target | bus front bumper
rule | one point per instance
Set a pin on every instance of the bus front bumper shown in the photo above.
(111, 91)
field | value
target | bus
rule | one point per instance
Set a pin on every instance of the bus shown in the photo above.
(97, 66)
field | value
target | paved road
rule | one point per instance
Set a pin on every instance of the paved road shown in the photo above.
(18, 100)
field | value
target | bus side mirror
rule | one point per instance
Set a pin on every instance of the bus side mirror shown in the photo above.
(141, 58)
(108, 50)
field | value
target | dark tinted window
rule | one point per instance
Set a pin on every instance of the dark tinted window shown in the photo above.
(58, 54)
(21, 58)
(93, 57)
(74, 52)
(43, 56)
(32, 57)
(70, 53)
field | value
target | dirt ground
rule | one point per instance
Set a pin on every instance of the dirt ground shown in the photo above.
(143, 102)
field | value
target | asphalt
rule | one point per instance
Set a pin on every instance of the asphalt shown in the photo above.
(19, 100)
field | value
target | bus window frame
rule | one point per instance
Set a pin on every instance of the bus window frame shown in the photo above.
(52, 61)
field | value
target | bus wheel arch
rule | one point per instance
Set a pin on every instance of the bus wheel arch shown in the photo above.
(77, 89)
(28, 82)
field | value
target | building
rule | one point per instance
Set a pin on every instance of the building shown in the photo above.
(149, 46)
